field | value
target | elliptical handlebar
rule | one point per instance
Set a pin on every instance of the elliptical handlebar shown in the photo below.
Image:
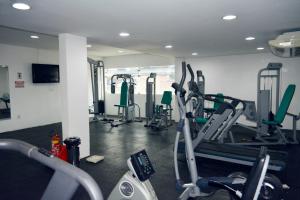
(183, 77)
(176, 88)
(191, 72)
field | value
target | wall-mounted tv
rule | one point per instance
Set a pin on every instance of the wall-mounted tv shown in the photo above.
(45, 73)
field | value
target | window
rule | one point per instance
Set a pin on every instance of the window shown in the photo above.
(165, 76)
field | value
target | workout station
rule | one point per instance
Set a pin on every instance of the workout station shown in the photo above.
(148, 100)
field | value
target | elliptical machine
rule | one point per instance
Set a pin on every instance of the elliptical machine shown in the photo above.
(199, 186)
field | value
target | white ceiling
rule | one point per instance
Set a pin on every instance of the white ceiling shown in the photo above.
(189, 25)
(22, 38)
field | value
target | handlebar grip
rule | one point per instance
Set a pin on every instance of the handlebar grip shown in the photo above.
(191, 72)
(183, 75)
(176, 87)
(199, 73)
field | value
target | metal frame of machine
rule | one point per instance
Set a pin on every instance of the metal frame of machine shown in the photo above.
(98, 90)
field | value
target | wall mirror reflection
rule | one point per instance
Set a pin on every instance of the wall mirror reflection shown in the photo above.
(4, 93)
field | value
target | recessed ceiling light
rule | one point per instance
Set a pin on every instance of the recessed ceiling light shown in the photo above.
(195, 54)
(34, 37)
(260, 48)
(229, 17)
(124, 34)
(285, 44)
(21, 6)
(120, 51)
(88, 46)
(168, 46)
(250, 38)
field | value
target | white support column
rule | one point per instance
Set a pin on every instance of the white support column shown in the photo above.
(74, 85)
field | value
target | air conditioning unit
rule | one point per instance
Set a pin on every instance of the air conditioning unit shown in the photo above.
(286, 45)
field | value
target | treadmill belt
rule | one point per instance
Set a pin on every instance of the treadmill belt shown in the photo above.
(277, 158)
(236, 154)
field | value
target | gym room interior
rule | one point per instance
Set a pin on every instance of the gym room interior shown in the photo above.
(148, 100)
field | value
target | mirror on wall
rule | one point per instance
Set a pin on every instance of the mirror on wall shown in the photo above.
(4, 93)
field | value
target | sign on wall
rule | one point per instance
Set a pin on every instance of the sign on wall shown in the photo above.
(19, 84)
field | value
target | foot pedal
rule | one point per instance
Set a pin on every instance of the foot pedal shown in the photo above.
(95, 159)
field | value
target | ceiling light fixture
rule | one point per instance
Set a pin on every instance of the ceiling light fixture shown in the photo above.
(20, 6)
(285, 44)
(260, 48)
(124, 34)
(88, 46)
(168, 46)
(195, 54)
(229, 17)
(120, 51)
(34, 37)
(250, 38)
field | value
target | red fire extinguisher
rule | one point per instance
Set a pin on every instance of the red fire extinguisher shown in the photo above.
(57, 148)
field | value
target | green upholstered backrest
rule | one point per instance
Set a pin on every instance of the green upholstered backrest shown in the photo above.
(124, 94)
(220, 98)
(285, 103)
(166, 98)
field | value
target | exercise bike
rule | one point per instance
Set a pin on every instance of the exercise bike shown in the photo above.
(239, 187)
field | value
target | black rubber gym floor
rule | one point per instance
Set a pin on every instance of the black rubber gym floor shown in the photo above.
(21, 178)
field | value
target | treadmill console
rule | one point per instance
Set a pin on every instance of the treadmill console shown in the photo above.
(142, 165)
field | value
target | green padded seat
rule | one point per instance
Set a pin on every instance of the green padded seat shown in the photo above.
(124, 95)
(166, 98)
(283, 107)
(201, 120)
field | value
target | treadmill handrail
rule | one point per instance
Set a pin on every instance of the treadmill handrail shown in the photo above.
(56, 164)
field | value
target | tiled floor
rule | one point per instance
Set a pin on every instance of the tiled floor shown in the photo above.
(21, 178)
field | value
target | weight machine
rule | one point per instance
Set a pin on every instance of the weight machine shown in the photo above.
(268, 109)
(127, 106)
(157, 116)
(98, 90)
(150, 97)
(266, 79)
(200, 102)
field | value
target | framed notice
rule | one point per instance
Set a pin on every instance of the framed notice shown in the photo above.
(19, 84)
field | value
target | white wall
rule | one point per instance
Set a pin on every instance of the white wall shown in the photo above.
(4, 88)
(237, 75)
(36, 104)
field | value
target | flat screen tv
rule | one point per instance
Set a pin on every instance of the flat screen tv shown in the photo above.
(45, 73)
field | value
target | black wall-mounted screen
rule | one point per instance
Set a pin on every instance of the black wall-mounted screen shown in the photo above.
(44, 73)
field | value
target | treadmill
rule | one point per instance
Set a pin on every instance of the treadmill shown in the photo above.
(206, 143)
